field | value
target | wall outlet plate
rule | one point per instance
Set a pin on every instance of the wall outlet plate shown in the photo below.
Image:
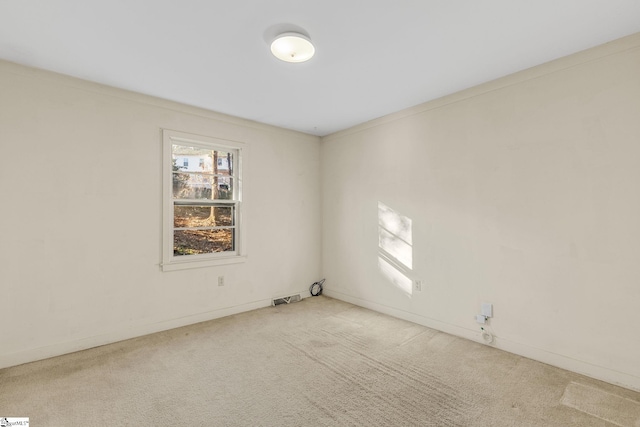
(487, 310)
(417, 285)
(481, 319)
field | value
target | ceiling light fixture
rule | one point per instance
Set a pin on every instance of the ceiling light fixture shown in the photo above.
(292, 47)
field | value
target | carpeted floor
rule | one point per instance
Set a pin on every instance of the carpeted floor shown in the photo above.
(319, 362)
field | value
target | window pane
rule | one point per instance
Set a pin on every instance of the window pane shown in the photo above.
(192, 159)
(193, 186)
(195, 159)
(199, 186)
(193, 242)
(203, 216)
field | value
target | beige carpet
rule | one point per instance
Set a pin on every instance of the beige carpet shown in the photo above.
(319, 362)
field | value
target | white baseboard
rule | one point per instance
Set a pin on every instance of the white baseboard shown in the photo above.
(602, 373)
(58, 349)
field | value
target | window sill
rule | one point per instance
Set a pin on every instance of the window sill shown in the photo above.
(189, 264)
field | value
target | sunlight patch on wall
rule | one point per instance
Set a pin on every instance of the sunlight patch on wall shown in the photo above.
(399, 249)
(395, 248)
(393, 275)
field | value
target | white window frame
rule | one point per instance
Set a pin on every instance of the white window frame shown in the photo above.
(169, 261)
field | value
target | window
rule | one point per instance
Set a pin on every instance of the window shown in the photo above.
(202, 208)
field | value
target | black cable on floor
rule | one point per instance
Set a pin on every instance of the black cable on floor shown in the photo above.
(316, 288)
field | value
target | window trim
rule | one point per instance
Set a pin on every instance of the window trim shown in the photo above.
(169, 261)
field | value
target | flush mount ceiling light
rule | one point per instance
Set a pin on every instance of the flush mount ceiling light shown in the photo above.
(292, 47)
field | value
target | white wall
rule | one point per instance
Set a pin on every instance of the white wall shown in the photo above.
(522, 192)
(80, 228)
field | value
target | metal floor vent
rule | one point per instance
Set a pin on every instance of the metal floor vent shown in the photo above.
(286, 300)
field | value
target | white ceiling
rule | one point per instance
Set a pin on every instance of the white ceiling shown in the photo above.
(373, 57)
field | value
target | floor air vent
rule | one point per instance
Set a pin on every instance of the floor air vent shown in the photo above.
(286, 300)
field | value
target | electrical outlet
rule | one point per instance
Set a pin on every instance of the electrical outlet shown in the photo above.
(417, 285)
(220, 280)
(487, 310)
